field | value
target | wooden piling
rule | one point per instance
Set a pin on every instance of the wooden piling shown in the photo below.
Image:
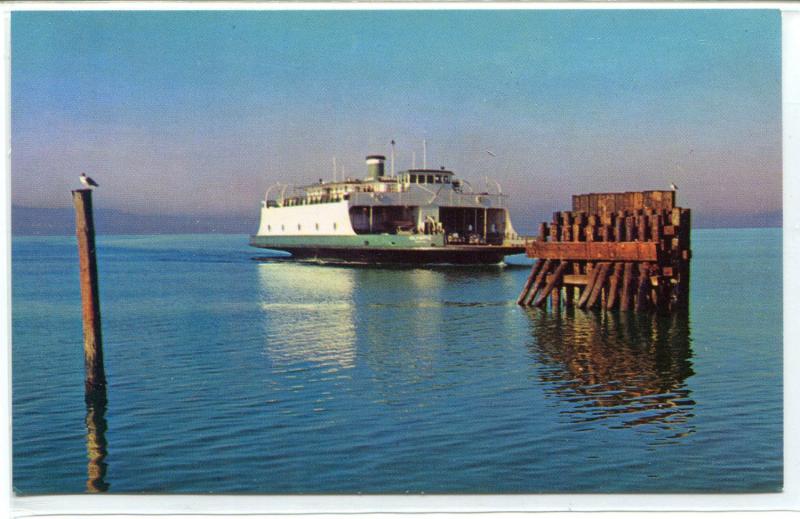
(540, 278)
(641, 232)
(569, 296)
(622, 250)
(627, 287)
(555, 229)
(629, 227)
(531, 278)
(587, 290)
(555, 298)
(643, 293)
(681, 255)
(613, 285)
(566, 233)
(590, 231)
(619, 227)
(555, 281)
(599, 283)
(542, 236)
(95, 381)
(605, 234)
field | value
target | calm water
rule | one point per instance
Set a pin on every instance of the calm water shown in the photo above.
(229, 375)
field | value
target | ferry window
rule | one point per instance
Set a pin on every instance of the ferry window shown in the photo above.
(446, 179)
(334, 226)
(413, 179)
(438, 179)
(430, 179)
(298, 226)
(269, 228)
(316, 226)
(282, 228)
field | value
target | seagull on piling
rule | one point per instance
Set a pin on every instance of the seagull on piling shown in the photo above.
(88, 181)
(674, 187)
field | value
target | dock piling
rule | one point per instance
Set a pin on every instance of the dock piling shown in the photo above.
(531, 278)
(95, 382)
(555, 280)
(620, 250)
(541, 277)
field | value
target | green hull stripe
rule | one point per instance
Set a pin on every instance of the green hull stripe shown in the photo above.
(383, 241)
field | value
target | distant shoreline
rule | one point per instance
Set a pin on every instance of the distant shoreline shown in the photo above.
(232, 233)
(34, 221)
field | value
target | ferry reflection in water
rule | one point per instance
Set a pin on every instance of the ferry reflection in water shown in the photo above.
(308, 314)
(618, 369)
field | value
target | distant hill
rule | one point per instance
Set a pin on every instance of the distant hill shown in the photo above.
(710, 221)
(46, 221)
(526, 222)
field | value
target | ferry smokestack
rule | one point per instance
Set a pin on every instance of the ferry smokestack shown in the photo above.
(375, 166)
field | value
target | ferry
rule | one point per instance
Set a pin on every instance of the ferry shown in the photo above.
(417, 216)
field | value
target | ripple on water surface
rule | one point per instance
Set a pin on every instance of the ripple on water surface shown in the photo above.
(239, 376)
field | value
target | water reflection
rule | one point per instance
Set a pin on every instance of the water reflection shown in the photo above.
(420, 306)
(399, 330)
(308, 314)
(620, 369)
(96, 445)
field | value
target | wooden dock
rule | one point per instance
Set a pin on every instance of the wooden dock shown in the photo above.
(626, 251)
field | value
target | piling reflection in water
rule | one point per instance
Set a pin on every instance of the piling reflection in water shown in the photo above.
(308, 314)
(619, 369)
(96, 445)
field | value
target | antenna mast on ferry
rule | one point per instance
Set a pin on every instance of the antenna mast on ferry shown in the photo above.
(392, 157)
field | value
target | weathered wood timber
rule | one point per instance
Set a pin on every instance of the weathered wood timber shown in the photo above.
(575, 279)
(613, 284)
(542, 236)
(595, 251)
(599, 283)
(627, 287)
(538, 283)
(555, 298)
(555, 280)
(643, 294)
(627, 250)
(601, 203)
(95, 381)
(569, 296)
(529, 282)
(587, 290)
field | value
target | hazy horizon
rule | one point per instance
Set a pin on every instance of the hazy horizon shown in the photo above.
(197, 113)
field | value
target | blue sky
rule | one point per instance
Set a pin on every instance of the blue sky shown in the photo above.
(196, 113)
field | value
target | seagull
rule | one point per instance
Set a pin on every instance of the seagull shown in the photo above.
(674, 187)
(88, 182)
(490, 153)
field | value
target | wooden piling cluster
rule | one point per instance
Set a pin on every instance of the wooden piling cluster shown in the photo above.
(629, 251)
